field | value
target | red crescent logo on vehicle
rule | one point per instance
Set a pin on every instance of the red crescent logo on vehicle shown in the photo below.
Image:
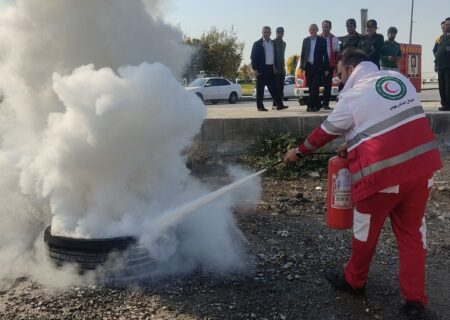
(386, 87)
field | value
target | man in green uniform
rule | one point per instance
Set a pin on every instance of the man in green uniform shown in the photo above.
(372, 42)
(351, 40)
(443, 66)
(390, 52)
(279, 64)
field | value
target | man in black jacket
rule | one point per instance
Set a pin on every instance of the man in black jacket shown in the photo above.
(313, 61)
(263, 58)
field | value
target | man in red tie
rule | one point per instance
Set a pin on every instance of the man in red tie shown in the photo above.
(333, 51)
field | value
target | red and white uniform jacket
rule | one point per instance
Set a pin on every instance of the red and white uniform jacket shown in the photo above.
(388, 136)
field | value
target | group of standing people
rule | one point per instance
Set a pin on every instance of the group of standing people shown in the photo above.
(441, 52)
(318, 59)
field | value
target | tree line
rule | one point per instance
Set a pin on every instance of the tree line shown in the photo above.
(220, 53)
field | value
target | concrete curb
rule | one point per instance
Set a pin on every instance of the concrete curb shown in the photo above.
(231, 136)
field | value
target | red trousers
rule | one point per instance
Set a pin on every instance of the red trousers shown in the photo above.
(405, 205)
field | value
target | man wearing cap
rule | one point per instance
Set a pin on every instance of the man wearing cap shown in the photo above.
(443, 66)
(262, 61)
(372, 42)
(390, 52)
(352, 39)
(333, 51)
(279, 65)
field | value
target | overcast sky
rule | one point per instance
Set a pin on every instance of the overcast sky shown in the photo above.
(248, 16)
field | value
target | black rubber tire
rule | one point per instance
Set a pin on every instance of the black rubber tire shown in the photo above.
(233, 98)
(303, 101)
(117, 260)
(87, 245)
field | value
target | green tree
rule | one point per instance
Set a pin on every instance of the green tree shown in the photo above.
(245, 72)
(291, 64)
(217, 53)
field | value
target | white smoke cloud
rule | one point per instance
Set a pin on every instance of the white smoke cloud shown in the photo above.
(91, 129)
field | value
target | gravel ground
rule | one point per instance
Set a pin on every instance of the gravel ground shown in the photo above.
(291, 249)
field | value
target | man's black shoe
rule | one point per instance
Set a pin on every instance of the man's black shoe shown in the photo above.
(280, 107)
(337, 280)
(326, 107)
(414, 310)
(444, 109)
(262, 109)
(313, 109)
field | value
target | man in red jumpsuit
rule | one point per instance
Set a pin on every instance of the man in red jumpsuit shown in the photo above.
(392, 155)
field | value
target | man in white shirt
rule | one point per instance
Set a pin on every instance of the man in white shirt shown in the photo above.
(262, 60)
(314, 62)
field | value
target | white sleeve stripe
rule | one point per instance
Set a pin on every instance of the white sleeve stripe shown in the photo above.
(330, 128)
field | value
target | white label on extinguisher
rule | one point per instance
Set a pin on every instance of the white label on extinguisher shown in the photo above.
(342, 188)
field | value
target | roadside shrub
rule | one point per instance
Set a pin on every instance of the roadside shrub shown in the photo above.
(272, 147)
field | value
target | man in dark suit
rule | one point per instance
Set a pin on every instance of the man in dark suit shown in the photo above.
(263, 58)
(314, 61)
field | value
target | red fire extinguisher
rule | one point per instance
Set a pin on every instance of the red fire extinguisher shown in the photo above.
(339, 201)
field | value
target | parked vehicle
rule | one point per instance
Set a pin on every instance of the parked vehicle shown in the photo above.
(215, 89)
(301, 89)
(288, 92)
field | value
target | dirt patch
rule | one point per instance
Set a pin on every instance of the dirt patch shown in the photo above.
(291, 248)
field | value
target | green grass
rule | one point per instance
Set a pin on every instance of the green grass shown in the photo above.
(247, 89)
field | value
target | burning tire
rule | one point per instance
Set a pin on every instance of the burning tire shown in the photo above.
(119, 259)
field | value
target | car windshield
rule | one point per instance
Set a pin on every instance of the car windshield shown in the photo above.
(197, 83)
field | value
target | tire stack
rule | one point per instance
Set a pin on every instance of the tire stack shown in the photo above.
(115, 260)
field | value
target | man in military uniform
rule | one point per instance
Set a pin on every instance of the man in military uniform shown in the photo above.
(443, 66)
(352, 39)
(436, 43)
(372, 42)
(279, 65)
(390, 52)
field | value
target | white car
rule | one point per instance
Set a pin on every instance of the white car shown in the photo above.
(288, 91)
(215, 89)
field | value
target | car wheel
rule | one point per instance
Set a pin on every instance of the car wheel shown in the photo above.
(214, 101)
(117, 260)
(199, 95)
(302, 101)
(233, 98)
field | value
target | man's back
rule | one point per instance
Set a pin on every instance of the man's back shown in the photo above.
(388, 132)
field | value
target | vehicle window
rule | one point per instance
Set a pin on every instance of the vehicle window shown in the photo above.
(209, 83)
(197, 83)
(289, 80)
(222, 82)
(215, 82)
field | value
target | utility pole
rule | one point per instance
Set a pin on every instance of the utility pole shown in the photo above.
(363, 21)
(411, 26)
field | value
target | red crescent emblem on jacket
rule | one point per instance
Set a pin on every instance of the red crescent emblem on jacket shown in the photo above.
(386, 87)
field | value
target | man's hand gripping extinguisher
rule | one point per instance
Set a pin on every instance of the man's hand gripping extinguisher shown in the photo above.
(339, 201)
